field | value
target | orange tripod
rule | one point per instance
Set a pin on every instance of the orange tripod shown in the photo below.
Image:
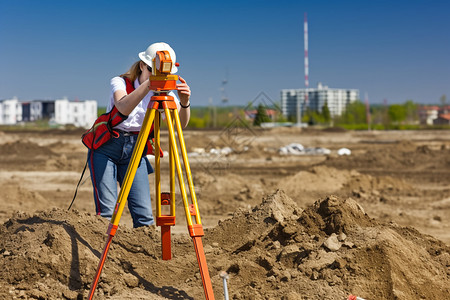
(162, 83)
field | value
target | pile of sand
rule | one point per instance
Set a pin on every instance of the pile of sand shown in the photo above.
(273, 251)
(395, 158)
(318, 181)
(25, 155)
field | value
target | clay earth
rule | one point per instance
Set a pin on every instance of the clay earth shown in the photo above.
(373, 224)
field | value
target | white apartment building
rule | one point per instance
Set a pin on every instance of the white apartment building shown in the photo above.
(78, 113)
(293, 100)
(10, 111)
(61, 111)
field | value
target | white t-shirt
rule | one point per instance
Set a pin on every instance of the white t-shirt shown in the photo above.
(136, 117)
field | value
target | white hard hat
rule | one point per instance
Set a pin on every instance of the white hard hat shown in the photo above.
(148, 55)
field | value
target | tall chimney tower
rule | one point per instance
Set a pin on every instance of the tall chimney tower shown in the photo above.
(305, 27)
(300, 109)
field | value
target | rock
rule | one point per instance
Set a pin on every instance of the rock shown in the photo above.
(289, 255)
(318, 261)
(348, 244)
(131, 280)
(332, 243)
(285, 275)
(71, 295)
(276, 245)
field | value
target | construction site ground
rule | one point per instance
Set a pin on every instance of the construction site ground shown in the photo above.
(375, 223)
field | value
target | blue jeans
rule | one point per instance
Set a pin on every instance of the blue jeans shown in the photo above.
(108, 165)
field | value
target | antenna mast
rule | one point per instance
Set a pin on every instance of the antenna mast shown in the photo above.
(306, 55)
(305, 40)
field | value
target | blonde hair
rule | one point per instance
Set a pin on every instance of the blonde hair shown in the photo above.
(134, 71)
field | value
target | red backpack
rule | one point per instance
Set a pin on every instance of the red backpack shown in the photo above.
(102, 130)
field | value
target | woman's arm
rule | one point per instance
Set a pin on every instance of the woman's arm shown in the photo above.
(125, 103)
(184, 94)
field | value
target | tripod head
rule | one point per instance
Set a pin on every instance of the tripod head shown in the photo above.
(161, 81)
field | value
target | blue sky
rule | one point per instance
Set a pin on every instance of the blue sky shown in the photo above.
(393, 50)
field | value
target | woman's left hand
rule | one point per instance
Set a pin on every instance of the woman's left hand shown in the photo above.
(184, 91)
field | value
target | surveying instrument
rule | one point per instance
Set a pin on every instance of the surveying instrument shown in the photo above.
(161, 82)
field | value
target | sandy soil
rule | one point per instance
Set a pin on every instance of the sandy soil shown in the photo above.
(375, 224)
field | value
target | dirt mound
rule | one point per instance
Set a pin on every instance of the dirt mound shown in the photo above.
(319, 178)
(24, 148)
(23, 155)
(317, 182)
(273, 251)
(236, 191)
(328, 251)
(402, 155)
(13, 194)
(54, 255)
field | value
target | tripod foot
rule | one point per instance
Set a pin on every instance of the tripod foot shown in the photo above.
(207, 286)
(111, 232)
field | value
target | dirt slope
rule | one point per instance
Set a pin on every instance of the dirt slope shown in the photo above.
(327, 251)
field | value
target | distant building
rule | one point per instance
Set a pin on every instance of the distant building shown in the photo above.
(38, 110)
(61, 111)
(444, 110)
(443, 119)
(427, 114)
(293, 100)
(10, 111)
(78, 113)
(251, 114)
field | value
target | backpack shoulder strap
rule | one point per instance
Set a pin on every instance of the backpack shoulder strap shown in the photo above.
(129, 85)
(78, 185)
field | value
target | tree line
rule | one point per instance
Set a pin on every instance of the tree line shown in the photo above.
(358, 116)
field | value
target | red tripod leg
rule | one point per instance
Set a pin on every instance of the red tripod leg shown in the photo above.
(111, 232)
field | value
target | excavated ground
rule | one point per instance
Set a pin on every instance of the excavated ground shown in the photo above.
(373, 224)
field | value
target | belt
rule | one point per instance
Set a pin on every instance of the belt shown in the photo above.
(128, 133)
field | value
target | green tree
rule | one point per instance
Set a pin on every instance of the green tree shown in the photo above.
(326, 113)
(443, 100)
(261, 116)
(312, 117)
(355, 113)
(411, 111)
(397, 113)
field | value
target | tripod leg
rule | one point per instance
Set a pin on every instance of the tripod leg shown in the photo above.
(124, 191)
(173, 143)
(195, 230)
(134, 164)
(163, 199)
(186, 166)
(157, 164)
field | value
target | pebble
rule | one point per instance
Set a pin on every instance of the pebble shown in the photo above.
(348, 244)
(131, 280)
(332, 243)
(72, 295)
(276, 245)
